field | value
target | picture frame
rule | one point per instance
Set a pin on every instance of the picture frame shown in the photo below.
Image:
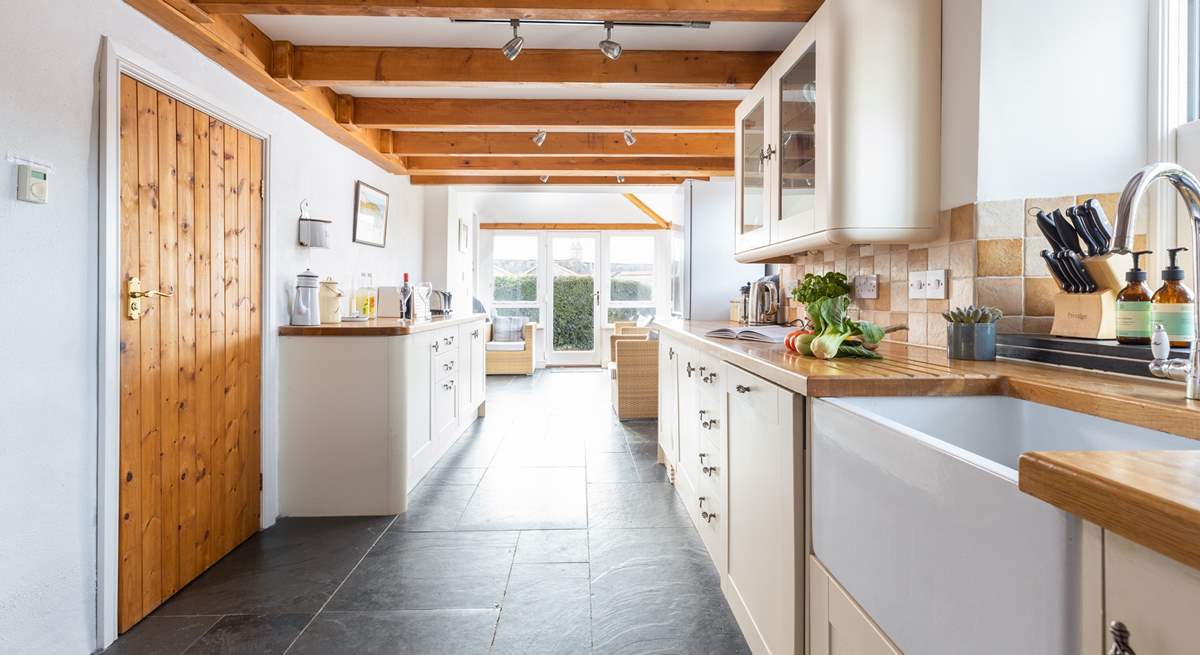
(464, 236)
(370, 215)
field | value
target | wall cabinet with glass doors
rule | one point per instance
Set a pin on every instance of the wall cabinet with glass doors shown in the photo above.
(839, 142)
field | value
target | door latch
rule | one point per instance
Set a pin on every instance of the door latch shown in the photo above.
(135, 296)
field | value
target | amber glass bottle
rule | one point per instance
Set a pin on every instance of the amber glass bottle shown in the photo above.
(1174, 305)
(1134, 306)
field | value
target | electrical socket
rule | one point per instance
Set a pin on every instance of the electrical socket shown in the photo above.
(916, 284)
(866, 287)
(935, 284)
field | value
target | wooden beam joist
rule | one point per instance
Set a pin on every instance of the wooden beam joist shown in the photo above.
(354, 65)
(558, 144)
(654, 216)
(572, 166)
(473, 115)
(244, 50)
(511, 180)
(632, 10)
(570, 226)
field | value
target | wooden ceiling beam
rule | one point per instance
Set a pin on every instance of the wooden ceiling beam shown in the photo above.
(244, 50)
(632, 10)
(559, 144)
(572, 166)
(361, 66)
(517, 180)
(448, 114)
(654, 216)
(570, 226)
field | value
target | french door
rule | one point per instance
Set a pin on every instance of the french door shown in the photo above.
(573, 328)
(191, 266)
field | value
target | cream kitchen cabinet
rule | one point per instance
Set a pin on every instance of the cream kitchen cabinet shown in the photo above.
(837, 625)
(668, 403)
(839, 142)
(1153, 595)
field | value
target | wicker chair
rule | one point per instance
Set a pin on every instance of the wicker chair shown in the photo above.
(512, 362)
(634, 374)
(626, 330)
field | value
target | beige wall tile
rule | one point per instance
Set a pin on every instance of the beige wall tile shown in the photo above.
(1034, 264)
(1010, 325)
(962, 291)
(997, 257)
(899, 265)
(962, 223)
(883, 265)
(1039, 296)
(899, 293)
(839, 266)
(916, 304)
(1037, 325)
(918, 260)
(962, 258)
(1000, 219)
(937, 306)
(917, 322)
(866, 266)
(939, 258)
(1002, 293)
(866, 249)
(935, 330)
(884, 302)
(1047, 205)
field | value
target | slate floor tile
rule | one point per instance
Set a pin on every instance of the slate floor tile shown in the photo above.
(528, 499)
(546, 546)
(434, 507)
(429, 632)
(611, 467)
(162, 635)
(454, 475)
(257, 634)
(635, 505)
(546, 610)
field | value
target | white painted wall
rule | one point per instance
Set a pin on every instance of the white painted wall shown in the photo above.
(49, 100)
(446, 265)
(595, 206)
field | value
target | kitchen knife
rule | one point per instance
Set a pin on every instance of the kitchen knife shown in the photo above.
(1067, 234)
(1075, 283)
(1050, 231)
(1075, 261)
(1055, 266)
(1100, 221)
(1080, 221)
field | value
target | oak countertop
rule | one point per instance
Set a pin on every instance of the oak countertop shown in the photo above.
(1152, 498)
(378, 327)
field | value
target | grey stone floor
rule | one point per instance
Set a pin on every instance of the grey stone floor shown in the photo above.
(548, 528)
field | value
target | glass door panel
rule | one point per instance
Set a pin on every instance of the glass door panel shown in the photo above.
(797, 169)
(574, 299)
(753, 127)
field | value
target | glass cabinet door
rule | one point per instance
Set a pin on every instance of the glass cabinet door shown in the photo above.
(753, 166)
(796, 161)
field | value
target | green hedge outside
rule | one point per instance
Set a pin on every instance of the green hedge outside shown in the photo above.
(574, 313)
(515, 287)
(623, 289)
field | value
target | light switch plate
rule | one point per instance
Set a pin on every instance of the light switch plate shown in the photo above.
(866, 287)
(916, 284)
(935, 284)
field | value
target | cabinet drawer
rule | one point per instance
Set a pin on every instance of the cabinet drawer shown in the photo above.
(445, 406)
(445, 364)
(753, 394)
(445, 341)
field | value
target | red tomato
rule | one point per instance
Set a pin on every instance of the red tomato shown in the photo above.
(790, 340)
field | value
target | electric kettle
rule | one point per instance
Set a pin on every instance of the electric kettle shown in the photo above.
(765, 301)
(306, 303)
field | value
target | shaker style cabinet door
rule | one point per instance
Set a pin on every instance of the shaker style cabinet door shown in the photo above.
(668, 400)
(1153, 595)
(797, 175)
(837, 625)
(753, 165)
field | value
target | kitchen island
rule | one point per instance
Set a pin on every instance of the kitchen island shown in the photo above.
(367, 409)
(755, 402)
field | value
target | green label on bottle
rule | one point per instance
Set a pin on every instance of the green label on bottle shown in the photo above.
(1133, 318)
(1178, 320)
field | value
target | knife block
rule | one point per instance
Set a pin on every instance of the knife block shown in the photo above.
(1091, 315)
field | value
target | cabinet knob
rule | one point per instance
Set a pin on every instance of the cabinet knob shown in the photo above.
(712, 378)
(475, 333)
(741, 388)
(702, 499)
(1120, 639)
(709, 470)
(710, 424)
(690, 369)
(448, 366)
(670, 353)
(702, 456)
(448, 385)
(767, 153)
(708, 516)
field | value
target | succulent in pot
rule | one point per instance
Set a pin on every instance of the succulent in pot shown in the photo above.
(971, 332)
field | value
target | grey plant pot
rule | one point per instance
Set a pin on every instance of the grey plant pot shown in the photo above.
(975, 341)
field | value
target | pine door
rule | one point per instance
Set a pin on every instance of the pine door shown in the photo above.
(191, 230)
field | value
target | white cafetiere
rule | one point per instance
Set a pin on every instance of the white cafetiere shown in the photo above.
(306, 304)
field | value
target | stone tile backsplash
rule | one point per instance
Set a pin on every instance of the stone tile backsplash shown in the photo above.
(992, 252)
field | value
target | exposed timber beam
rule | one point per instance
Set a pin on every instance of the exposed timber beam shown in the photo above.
(559, 144)
(632, 10)
(572, 166)
(653, 215)
(356, 65)
(473, 115)
(570, 226)
(515, 180)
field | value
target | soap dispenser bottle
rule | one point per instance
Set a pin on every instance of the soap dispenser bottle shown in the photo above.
(1174, 304)
(1134, 306)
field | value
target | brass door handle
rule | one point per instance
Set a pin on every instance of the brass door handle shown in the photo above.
(135, 293)
(152, 292)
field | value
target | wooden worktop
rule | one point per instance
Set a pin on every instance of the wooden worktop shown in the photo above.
(379, 327)
(1152, 498)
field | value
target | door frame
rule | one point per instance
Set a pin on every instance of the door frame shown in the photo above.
(118, 59)
(595, 355)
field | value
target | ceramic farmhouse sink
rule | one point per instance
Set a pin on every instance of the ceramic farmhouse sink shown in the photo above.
(916, 512)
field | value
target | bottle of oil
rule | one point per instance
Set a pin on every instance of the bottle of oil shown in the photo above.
(1134, 306)
(1174, 304)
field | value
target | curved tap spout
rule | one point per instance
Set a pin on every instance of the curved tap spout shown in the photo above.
(1131, 200)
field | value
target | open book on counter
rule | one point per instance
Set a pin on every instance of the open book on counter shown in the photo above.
(763, 333)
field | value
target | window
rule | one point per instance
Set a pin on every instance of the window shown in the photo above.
(630, 277)
(515, 290)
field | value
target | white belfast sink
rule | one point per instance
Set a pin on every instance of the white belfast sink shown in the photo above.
(916, 512)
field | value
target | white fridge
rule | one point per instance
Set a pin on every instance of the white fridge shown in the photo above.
(704, 274)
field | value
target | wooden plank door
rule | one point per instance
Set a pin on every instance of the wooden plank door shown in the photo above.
(191, 228)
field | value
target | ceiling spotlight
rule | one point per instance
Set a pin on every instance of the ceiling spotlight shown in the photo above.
(610, 48)
(512, 49)
(539, 138)
(630, 139)
(620, 179)
(544, 179)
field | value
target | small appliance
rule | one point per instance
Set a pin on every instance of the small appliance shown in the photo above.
(765, 302)
(306, 303)
(440, 303)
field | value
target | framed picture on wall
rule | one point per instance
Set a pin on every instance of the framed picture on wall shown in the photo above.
(464, 236)
(370, 215)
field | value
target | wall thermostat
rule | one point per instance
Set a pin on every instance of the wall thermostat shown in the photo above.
(33, 184)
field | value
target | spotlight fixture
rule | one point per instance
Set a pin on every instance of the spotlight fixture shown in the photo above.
(512, 49)
(544, 179)
(539, 138)
(610, 48)
(620, 179)
(630, 139)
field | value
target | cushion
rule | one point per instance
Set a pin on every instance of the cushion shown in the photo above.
(645, 320)
(509, 328)
(506, 346)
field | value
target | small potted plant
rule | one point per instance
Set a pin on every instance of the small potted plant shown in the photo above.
(971, 332)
